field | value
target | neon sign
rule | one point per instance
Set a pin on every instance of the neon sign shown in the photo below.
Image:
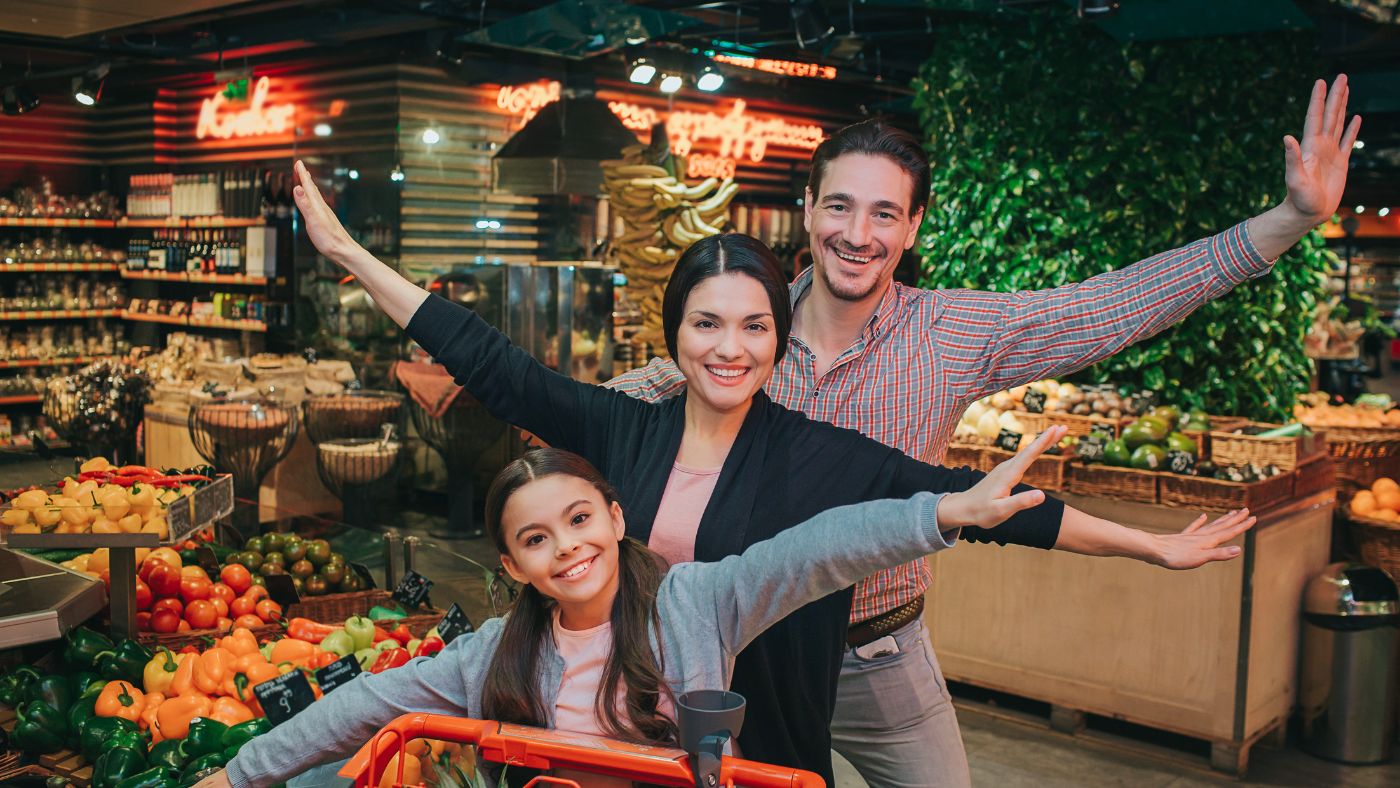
(787, 68)
(256, 118)
(525, 101)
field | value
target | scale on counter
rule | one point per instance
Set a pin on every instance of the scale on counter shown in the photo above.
(41, 601)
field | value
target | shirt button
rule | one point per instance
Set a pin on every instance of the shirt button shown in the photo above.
(816, 394)
(812, 356)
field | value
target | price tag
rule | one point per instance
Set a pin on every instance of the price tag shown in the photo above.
(206, 558)
(365, 576)
(1091, 448)
(338, 672)
(1008, 440)
(1147, 400)
(1034, 401)
(1102, 429)
(281, 698)
(1181, 462)
(282, 590)
(412, 589)
(453, 624)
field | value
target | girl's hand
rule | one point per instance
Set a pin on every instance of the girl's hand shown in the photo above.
(325, 230)
(218, 779)
(990, 502)
(1200, 543)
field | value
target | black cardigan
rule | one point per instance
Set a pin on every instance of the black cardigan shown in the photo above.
(783, 469)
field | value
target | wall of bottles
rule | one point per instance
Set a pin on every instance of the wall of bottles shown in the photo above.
(235, 193)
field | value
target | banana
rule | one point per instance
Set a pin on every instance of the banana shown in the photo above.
(665, 200)
(646, 232)
(700, 226)
(660, 255)
(719, 199)
(642, 171)
(700, 190)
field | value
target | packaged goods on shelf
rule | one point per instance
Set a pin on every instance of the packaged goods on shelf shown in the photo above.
(70, 343)
(42, 203)
(55, 246)
(235, 193)
(29, 292)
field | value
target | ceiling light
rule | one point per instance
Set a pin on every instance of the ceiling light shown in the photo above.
(670, 83)
(641, 71)
(322, 130)
(1384, 212)
(87, 88)
(431, 137)
(354, 175)
(1360, 209)
(1098, 8)
(19, 99)
(1358, 145)
(396, 175)
(710, 79)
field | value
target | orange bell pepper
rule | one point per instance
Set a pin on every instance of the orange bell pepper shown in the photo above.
(230, 712)
(183, 683)
(148, 715)
(241, 642)
(297, 652)
(121, 699)
(213, 667)
(174, 714)
(321, 659)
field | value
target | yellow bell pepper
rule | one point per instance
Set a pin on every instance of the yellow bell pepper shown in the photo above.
(160, 671)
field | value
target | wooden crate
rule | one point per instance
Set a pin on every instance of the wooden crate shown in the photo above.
(966, 454)
(1218, 495)
(1121, 484)
(1314, 475)
(65, 763)
(1232, 449)
(1078, 426)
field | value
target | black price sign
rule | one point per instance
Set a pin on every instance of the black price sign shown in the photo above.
(1034, 400)
(1091, 448)
(365, 577)
(338, 672)
(1147, 400)
(454, 624)
(1009, 441)
(1181, 462)
(282, 590)
(206, 558)
(412, 589)
(283, 697)
(1102, 429)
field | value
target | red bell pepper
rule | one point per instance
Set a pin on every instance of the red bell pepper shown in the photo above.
(391, 658)
(402, 634)
(380, 635)
(429, 647)
(308, 630)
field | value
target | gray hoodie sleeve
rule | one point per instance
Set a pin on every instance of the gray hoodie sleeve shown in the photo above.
(835, 549)
(336, 726)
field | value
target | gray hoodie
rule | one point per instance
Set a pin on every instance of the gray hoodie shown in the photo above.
(708, 612)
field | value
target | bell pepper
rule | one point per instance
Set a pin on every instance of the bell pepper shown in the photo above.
(339, 642)
(154, 777)
(292, 650)
(366, 657)
(160, 671)
(308, 630)
(392, 658)
(148, 714)
(168, 754)
(387, 644)
(101, 733)
(57, 691)
(240, 642)
(194, 770)
(127, 661)
(230, 712)
(84, 679)
(115, 765)
(41, 729)
(82, 645)
(244, 732)
(183, 682)
(175, 714)
(429, 647)
(121, 699)
(380, 635)
(381, 613)
(206, 736)
(82, 710)
(14, 686)
(212, 668)
(361, 630)
(401, 634)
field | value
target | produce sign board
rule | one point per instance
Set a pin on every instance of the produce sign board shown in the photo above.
(1034, 401)
(454, 624)
(1009, 441)
(365, 576)
(206, 559)
(213, 501)
(282, 590)
(283, 697)
(413, 589)
(1091, 448)
(1102, 429)
(1181, 462)
(338, 672)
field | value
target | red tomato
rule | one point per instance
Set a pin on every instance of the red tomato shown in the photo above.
(143, 595)
(269, 611)
(194, 570)
(164, 580)
(221, 606)
(225, 624)
(242, 606)
(143, 621)
(222, 591)
(238, 578)
(192, 588)
(256, 592)
(146, 566)
(202, 614)
(165, 620)
(248, 620)
(172, 604)
(184, 626)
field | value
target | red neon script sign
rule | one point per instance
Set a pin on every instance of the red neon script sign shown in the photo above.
(256, 117)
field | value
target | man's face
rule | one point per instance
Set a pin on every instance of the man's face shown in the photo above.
(860, 224)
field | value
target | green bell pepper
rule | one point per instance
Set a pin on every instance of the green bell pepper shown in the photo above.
(126, 662)
(154, 777)
(214, 760)
(167, 753)
(115, 765)
(57, 691)
(244, 732)
(14, 687)
(57, 781)
(361, 630)
(40, 728)
(82, 647)
(84, 679)
(84, 709)
(98, 730)
(339, 642)
(206, 736)
(381, 613)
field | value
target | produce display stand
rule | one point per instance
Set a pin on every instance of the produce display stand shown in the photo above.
(42, 600)
(1210, 653)
(208, 504)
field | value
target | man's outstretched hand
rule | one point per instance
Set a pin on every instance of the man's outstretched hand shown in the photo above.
(1316, 165)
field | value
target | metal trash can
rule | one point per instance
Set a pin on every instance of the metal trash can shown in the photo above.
(1351, 644)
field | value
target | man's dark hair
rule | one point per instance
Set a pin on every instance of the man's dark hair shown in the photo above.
(875, 137)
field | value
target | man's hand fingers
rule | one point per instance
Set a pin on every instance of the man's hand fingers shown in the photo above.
(1313, 123)
(1336, 98)
(1349, 139)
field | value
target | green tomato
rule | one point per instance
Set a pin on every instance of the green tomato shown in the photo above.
(339, 642)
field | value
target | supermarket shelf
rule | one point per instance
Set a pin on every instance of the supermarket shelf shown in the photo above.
(17, 363)
(189, 222)
(22, 399)
(13, 221)
(21, 268)
(142, 317)
(213, 279)
(59, 314)
(213, 322)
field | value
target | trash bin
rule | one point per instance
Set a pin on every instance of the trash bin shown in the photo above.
(1351, 643)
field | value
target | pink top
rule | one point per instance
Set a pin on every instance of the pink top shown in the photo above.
(687, 493)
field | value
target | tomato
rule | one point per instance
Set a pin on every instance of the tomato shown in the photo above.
(250, 621)
(237, 577)
(225, 624)
(256, 592)
(242, 606)
(220, 605)
(164, 580)
(165, 621)
(143, 595)
(194, 571)
(269, 611)
(172, 604)
(143, 621)
(222, 591)
(192, 588)
(202, 614)
(184, 626)
(165, 555)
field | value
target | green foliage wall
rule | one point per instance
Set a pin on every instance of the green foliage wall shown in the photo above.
(1059, 153)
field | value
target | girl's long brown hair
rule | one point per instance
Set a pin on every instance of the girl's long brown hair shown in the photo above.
(511, 692)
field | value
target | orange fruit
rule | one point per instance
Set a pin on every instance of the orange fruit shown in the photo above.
(1388, 499)
(1382, 484)
(1364, 503)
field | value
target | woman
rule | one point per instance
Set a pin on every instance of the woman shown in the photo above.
(709, 473)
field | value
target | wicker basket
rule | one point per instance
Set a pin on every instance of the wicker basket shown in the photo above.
(1314, 475)
(1378, 541)
(335, 608)
(200, 638)
(1218, 495)
(1234, 449)
(1361, 462)
(960, 454)
(1048, 472)
(1079, 426)
(1107, 481)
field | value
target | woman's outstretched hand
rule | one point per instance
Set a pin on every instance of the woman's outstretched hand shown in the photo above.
(1200, 543)
(327, 234)
(990, 502)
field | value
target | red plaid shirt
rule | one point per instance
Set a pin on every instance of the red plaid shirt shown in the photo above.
(926, 355)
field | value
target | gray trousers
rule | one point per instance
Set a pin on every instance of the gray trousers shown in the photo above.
(894, 717)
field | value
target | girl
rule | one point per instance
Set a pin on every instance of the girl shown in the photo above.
(601, 639)
(720, 468)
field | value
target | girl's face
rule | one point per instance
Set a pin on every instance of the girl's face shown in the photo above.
(563, 537)
(726, 343)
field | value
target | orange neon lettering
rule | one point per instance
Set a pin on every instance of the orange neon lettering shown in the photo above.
(526, 100)
(256, 119)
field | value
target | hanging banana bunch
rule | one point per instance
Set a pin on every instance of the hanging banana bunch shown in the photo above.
(660, 218)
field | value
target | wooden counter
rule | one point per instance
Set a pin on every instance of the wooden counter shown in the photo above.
(1210, 653)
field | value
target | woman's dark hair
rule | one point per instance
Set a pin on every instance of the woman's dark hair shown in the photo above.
(729, 253)
(511, 692)
(875, 137)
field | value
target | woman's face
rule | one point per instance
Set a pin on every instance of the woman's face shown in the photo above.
(726, 343)
(562, 539)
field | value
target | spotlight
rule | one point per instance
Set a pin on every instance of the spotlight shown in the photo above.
(19, 99)
(431, 137)
(670, 83)
(710, 79)
(354, 175)
(1360, 209)
(1358, 145)
(322, 130)
(396, 175)
(810, 23)
(641, 71)
(87, 88)
(1384, 212)
(1097, 8)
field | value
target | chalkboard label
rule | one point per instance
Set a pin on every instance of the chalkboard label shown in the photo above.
(365, 576)
(338, 672)
(281, 698)
(206, 558)
(453, 624)
(412, 589)
(1034, 400)
(1147, 400)
(1091, 448)
(1103, 429)
(1181, 462)
(282, 590)
(1008, 440)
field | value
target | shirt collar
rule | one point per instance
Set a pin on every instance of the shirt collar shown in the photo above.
(883, 317)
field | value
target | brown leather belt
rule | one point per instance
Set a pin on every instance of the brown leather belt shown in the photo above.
(872, 629)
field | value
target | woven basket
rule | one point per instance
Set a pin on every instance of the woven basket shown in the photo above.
(1048, 472)
(1233, 449)
(335, 608)
(1362, 434)
(1361, 462)
(200, 637)
(1314, 475)
(1079, 426)
(960, 454)
(1378, 541)
(1107, 481)
(1218, 495)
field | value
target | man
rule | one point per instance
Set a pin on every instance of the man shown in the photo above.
(901, 364)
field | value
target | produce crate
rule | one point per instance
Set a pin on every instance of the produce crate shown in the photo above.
(1314, 475)
(1234, 449)
(335, 608)
(960, 454)
(1219, 495)
(1378, 541)
(1217, 423)
(1107, 481)
(1048, 472)
(1079, 426)
(199, 637)
(1363, 456)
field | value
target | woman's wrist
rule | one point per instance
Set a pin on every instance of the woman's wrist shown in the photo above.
(951, 512)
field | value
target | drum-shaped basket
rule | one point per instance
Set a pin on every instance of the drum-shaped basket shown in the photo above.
(358, 461)
(351, 414)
